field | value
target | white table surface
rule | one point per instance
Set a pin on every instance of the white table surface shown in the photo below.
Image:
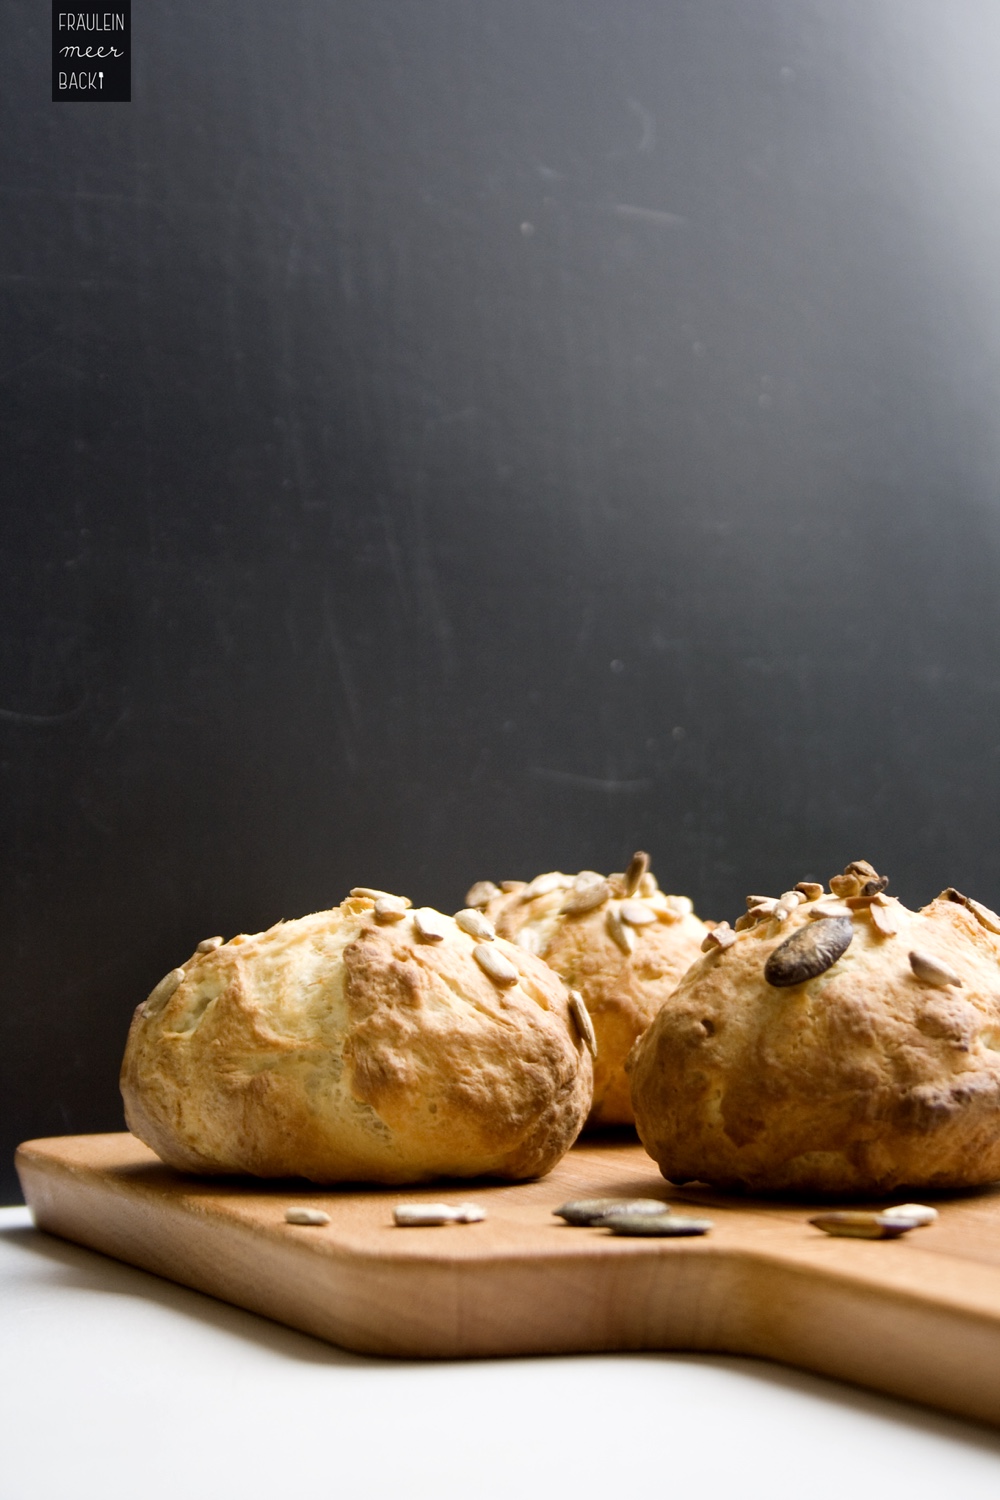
(117, 1384)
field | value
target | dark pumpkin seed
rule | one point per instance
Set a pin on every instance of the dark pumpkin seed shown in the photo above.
(809, 951)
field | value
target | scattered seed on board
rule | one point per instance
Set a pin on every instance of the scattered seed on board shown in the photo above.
(209, 945)
(919, 1213)
(494, 964)
(585, 1026)
(932, 971)
(482, 893)
(637, 867)
(306, 1216)
(429, 1215)
(475, 924)
(391, 909)
(658, 1226)
(809, 951)
(859, 1225)
(586, 898)
(621, 934)
(431, 926)
(636, 913)
(584, 1213)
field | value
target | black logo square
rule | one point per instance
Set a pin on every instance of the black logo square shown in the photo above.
(92, 54)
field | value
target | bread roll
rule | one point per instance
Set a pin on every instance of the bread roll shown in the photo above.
(370, 1043)
(836, 1045)
(618, 940)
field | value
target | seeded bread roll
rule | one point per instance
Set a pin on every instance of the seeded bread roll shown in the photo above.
(368, 1043)
(832, 1045)
(619, 941)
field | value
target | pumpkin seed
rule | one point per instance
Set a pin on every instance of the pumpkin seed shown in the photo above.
(809, 951)
(658, 1226)
(859, 1225)
(586, 1212)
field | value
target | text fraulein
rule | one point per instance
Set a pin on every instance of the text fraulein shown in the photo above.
(78, 20)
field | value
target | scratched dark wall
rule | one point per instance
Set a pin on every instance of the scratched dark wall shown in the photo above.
(448, 440)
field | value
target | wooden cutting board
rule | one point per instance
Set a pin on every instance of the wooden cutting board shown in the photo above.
(918, 1317)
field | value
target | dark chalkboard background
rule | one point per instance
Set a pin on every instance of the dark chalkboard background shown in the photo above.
(448, 439)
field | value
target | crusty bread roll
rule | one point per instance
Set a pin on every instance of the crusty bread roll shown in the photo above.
(832, 1045)
(368, 1043)
(617, 940)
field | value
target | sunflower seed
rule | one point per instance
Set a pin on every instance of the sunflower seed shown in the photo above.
(753, 901)
(758, 913)
(161, 993)
(918, 1213)
(791, 898)
(785, 905)
(828, 907)
(585, 878)
(209, 945)
(858, 1225)
(306, 1216)
(810, 889)
(529, 940)
(475, 924)
(511, 887)
(494, 964)
(885, 917)
(682, 905)
(586, 1212)
(648, 885)
(416, 1215)
(619, 932)
(809, 951)
(989, 919)
(658, 1226)
(636, 913)
(391, 908)
(482, 893)
(637, 867)
(369, 893)
(544, 885)
(932, 971)
(718, 937)
(584, 1025)
(586, 898)
(431, 926)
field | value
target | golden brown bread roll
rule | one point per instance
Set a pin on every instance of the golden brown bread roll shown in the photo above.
(368, 1043)
(618, 940)
(834, 1044)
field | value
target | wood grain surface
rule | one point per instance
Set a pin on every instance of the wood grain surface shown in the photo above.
(918, 1317)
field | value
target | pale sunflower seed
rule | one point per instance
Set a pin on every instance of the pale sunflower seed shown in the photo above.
(430, 1215)
(885, 918)
(989, 919)
(369, 893)
(636, 913)
(682, 905)
(584, 1025)
(161, 993)
(656, 1226)
(306, 1216)
(828, 907)
(544, 885)
(621, 934)
(758, 901)
(791, 899)
(431, 926)
(391, 908)
(511, 887)
(494, 964)
(718, 937)
(529, 940)
(482, 893)
(475, 924)
(584, 1213)
(859, 1225)
(648, 885)
(585, 878)
(932, 971)
(919, 1214)
(586, 898)
(209, 945)
(637, 867)
(809, 951)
